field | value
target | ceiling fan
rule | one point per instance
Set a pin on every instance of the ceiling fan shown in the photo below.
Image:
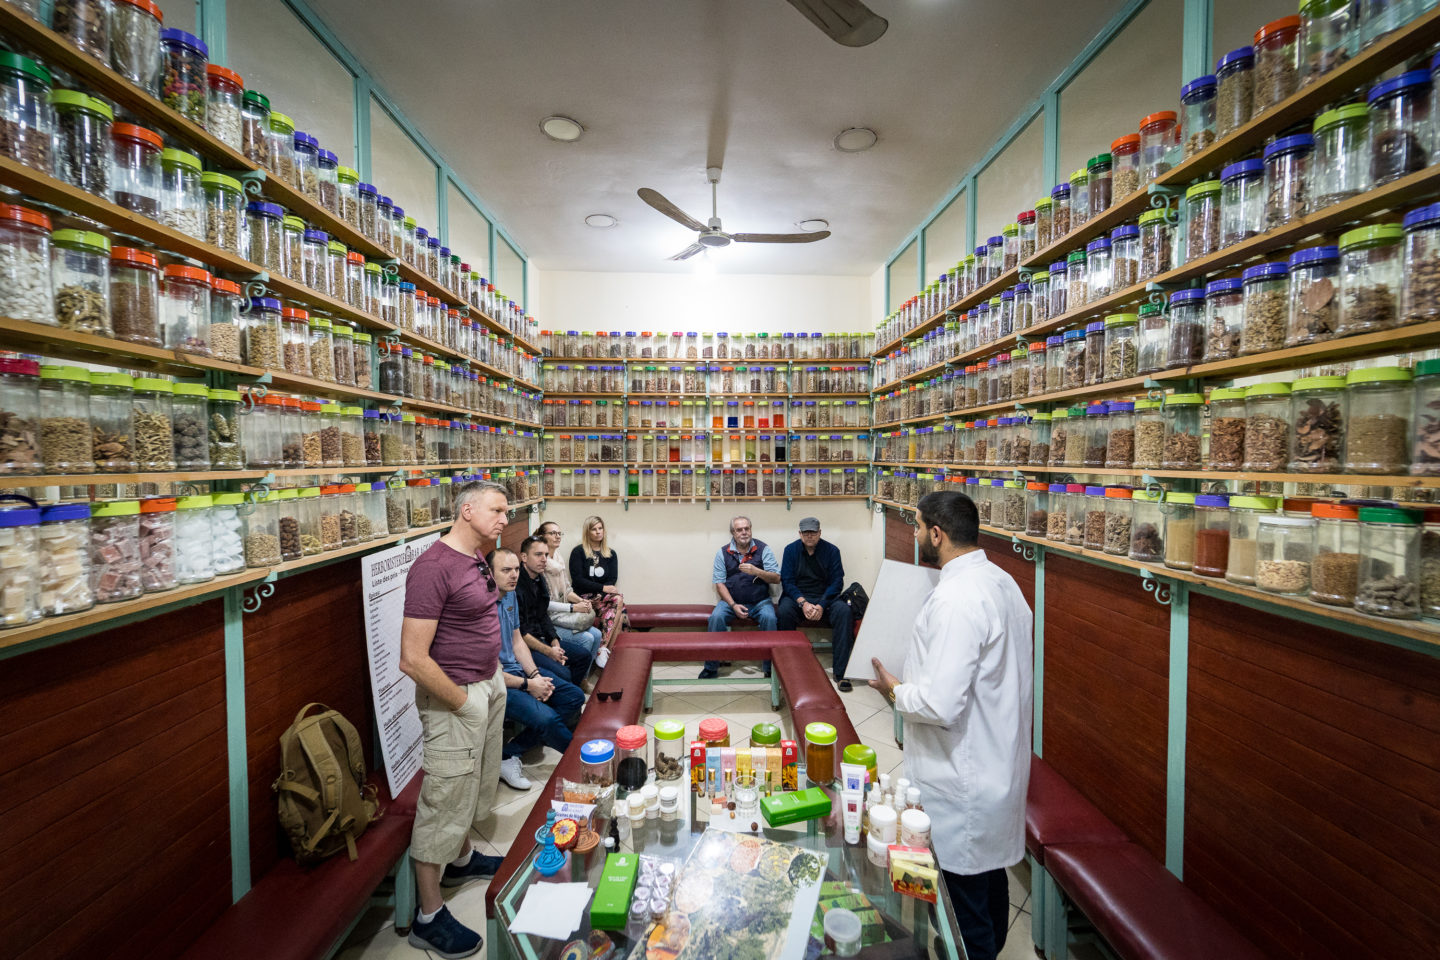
(710, 233)
(847, 22)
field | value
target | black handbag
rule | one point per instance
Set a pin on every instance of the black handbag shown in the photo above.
(858, 599)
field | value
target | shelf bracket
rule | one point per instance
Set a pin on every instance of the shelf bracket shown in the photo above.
(1026, 550)
(252, 180)
(1157, 586)
(391, 267)
(259, 593)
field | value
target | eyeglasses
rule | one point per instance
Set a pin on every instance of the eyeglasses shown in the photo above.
(608, 695)
(484, 569)
(554, 533)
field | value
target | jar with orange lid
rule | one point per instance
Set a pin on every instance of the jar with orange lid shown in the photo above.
(715, 732)
(1159, 144)
(185, 309)
(632, 757)
(1125, 174)
(1277, 62)
(1335, 566)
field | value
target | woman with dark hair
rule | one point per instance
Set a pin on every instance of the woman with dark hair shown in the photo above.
(594, 569)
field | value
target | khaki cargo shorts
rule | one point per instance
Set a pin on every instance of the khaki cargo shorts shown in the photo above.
(462, 768)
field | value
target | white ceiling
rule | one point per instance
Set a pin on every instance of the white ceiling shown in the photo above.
(664, 87)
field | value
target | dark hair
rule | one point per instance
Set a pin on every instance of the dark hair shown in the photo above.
(540, 530)
(529, 542)
(955, 515)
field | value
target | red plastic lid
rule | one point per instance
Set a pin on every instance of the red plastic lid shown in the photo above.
(1158, 117)
(18, 366)
(714, 729)
(137, 257)
(221, 285)
(147, 6)
(1025, 216)
(293, 402)
(631, 738)
(1334, 511)
(1128, 143)
(157, 505)
(11, 211)
(1274, 27)
(270, 400)
(224, 73)
(176, 272)
(134, 132)
(354, 257)
(294, 313)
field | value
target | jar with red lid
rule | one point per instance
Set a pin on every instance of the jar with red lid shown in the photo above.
(135, 43)
(224, 90)
(157, 544)
(1026, 222)
(632, 757)
(136, 171)
(25, 285)
(20, 408)
(1335, 567)
(295, 341)
(135, 296)
(1277, 62)
(1159, 144)
(1125, 174)
(715, 732)
(185, 309)
(223, 334)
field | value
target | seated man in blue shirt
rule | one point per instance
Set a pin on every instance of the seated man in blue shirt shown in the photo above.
(813, 578)
(744, 569)
(538, 693)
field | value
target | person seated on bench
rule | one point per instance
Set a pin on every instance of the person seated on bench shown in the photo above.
(743, 586)
(538, 694)
(813, 578)
(573, 649)
(594, 570)
(567, 608)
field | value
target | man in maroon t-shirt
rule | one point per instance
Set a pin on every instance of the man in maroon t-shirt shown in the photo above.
(450, 647)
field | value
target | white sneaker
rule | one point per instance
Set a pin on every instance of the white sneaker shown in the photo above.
(512, 775)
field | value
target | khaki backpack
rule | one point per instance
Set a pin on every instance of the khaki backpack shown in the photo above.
(324, 801)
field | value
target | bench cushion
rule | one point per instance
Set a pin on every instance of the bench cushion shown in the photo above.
(1056, 813)
(300, 913)
(1140, 908)
(745, 645)
(669, 616)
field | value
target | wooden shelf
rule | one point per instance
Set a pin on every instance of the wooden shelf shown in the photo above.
(992, 289)
(711, 361)
(105, 479)
(1331, 479)
(24, 335)
(1127, 208)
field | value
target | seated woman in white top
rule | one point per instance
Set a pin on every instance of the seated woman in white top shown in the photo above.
(568, 608)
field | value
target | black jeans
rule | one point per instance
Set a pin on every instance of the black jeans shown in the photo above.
(838, 617)
(982, 910)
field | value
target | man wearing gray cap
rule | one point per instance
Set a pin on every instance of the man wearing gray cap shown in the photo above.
(812, 578)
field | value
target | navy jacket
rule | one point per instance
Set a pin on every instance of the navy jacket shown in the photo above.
(829, 556)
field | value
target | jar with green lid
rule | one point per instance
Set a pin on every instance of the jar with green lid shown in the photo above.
(1153, 338)
(1202, 220)
(1317, 424)
(222, 430)
(1326, 37)
(1077, 440)
(343, 346)
(1149, 434)
(281, 141)
(80, 274)
(1079, 198)
(321, 349)
(1059, 437)
(1184, 426)
(1389, 579)
(1370, 278)
(26, 112)
(1227, 429)
(1011, 507)
(1019, 374)
(82, 141)
(1157, 240)
(1267, 427)
(1039, 429)
(255, 128)
(1044, 223)
(350, 422)
(1147, 526)
(1098, 175)
(224, 213)
(1177, 530)
(1340, 166)
(670, 749)
(1245, 514)
(193, 558)
(153, 424)
(1077, 287)
(115, 550)
(112, 399)
(1122, 346)
(182, 199)
(1381, 410)
(1284, 549)
(1010, 255)
(1118, 521)
(190, 426)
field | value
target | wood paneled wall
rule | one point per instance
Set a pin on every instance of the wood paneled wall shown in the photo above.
(114, 819)
(1106, 695)
(1312, 785)
(1002, 553)
(899, 538)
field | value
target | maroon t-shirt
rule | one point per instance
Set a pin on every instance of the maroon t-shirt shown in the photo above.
(446, 586)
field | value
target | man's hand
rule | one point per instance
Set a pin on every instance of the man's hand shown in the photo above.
(556, 652)
(813, 611)
(741, 611)
(751, 569)
(541, 687)
(884, 681)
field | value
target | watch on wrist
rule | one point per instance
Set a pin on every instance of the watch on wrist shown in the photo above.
(525, 685)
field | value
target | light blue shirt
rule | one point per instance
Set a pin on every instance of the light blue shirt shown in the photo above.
(768, 563)
(509, 623)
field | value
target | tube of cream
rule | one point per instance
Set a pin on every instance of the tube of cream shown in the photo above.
(852, 777)
(850, 801)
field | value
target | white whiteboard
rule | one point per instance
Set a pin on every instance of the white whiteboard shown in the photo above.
(900, 592)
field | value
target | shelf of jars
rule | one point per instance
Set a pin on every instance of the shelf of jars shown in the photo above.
(31, 337)
(680, 346)
(682, 361)
(14, 481)
(993, 288)
(1401, 481)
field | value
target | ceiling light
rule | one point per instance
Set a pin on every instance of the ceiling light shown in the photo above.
(813, 226)
(600, 220)
(855, 139)
(561, 128)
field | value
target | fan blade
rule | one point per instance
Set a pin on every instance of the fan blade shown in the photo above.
(687, 253)
(779, 237)
(669, 209)
(847, 22)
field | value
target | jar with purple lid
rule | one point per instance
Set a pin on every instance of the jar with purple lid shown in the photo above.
(432, 257)
(1235, 90)
(1242, 201)
(1059, 287)
(307, 159)
(1094, 352)
(327, 169)
(1224, 318)
(1197, 114)
(1266, 311)
(1124, 256)
(1054, 364)
(1097, 269)
(1187, 327)
(1287, 179)
(369, 210)
(1314, 295)
(386, 226)
(982, 266)
(1060, 212)
(1400, 126)
(313, 254)
(1420, 291)
(184, 87)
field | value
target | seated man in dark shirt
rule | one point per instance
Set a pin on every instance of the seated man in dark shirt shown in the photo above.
(535, 624)
(813, 578)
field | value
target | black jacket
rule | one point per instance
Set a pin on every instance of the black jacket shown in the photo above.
(533, 596)
(580, 575)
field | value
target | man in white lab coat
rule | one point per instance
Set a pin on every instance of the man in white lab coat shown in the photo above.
(966, 692)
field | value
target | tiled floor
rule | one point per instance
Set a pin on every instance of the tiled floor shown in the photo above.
(743, 706)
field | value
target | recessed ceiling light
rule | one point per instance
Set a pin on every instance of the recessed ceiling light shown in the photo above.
(561, 128)
(600, 220)
(855, 139)
(813, 226)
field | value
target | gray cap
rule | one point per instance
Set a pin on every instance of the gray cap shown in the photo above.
(809, 524)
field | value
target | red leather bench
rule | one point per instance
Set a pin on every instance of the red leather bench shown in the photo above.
(304, 914)
(673, 616)
(1057, 813)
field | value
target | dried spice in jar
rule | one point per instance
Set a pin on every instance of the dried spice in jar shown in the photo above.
(1314, 285)
(1377, 436)
(1425, 452)
(1235, 90)
(1202, 219)
(1266, 309)
(1420, 297)
(1399, 126)
(1267, 427)
(1227, 429)
(1317, 424)
(1371, 269)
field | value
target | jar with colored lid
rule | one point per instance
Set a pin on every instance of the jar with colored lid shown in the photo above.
(280, 138)
(25, 254)
(157, 544)
(820, 753)
(82, 141)
(1099, 171)
(255, 127)
(1340, 167)
(224, 90)
(112, 403)
(20, 564)
(597, 762)
(80, 275)
(1224, 318)
(1400, 126)
(1095, 505)
(1285, 548)
(1159, 144)
(1202, 219)
(1037, 508)
(1242, 201)
(1178, 530)
(1287, 179)
(1390, 569)
(135, 168)
(1079, 198)
(1245, 515)
(1147, 526)
(1235, 90)
(1335, 565)
(1326, 34)
(1197, 114)
(1118, 520)
(1060, 219)
(1267, 427)
(184, 87)
(1266, 290)
(1277, 62)
(632, 757)
(1212, 535)
(670, 752)
(714, 731)
(1317, 424)
(1122, 346)
(185, 309)
(1314, 287)
(135, 295)
(1381, 408)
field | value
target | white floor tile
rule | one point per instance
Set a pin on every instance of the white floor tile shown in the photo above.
(878, 728)
(1019, 877)
(1018, 942)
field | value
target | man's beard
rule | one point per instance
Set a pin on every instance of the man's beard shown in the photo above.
(929, 553)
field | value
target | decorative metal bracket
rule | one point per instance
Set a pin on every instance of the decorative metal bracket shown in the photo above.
(391, 267)
(1157, 586)
(252, 180)
(255, 287)
(1152, 486)
(1161, 198)
(258, 594)
(1026, 550)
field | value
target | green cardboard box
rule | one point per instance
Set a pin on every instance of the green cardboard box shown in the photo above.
(611, 907)
(794, 806)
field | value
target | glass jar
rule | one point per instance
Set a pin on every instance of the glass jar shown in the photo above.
(327, 167)
(1187, 326)
(134, 33)
(1095, 506)
(334, 281)
(1074, 354)
(1267, 428)
(1245, 516)
(221, 430)
(1325, 37)
(1184, 427)
(20, 563)
(1178, 529)
(1390, 571)
(1157, 238)
(63, 559)
(1097, 435)
(1212, 535)
(1079, 198)
(224, 90)
(281, 140)
(1122, 346)
(1287, 179)
(1125, 160)
(1078, 276)
(1149, 435)
(152, 424)
(1202, 220)
(184, 87)
(255, 128)
(1266, 310)
(1340, 166)
(182, 199)
(1400, 134)
(65, 431)
(1147, 526)
(115, 562)
(1227, 429)
(1154, 339)
(1011, 506)
(1314, 281)
(1099, 171)
(322, 350)
(1335, 564)
(1120, 441)
(262, 531)
(1277, 62)
(1317, 417)
(157, 544)
(1284, 549)
(1242, 201)
(112, 399)
(265, 235)
(27, 117)
(295, 341)
(1095, 352)
(1224, 319)
(190, 427)
(1235, 90)
(20, 411)
(185, 309)
(1377, 431)
(1124, 258)
(135, 168)
(1118, 520)
(225, 212)
(1060, 212)
(1159, 144)
(307, 154)
(82, 141)
(262, 334)
(1197, 114)
(80, 275)
(25, 255)
(194, 561)
(1097, 269)
(1037, 508)
(1371, 265)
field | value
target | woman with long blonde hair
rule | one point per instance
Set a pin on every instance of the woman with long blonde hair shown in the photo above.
(594, 570)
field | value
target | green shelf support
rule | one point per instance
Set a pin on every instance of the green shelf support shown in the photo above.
(253, 181)
(1179, 602)
(236, 744)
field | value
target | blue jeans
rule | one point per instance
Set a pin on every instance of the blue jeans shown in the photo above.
(577, 656)
(548, 721)
(762, 613)
(837, 616)
(589, 637)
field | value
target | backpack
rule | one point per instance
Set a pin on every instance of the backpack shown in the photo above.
(324, 801)
(858, 599)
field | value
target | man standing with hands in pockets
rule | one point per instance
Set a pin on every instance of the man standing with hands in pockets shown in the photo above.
(966, 692)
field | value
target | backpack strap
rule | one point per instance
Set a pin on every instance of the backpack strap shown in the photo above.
(352, 744)
(306, 709)
(326, 766)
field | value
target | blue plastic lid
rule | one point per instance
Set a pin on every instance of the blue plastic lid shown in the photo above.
(1098, 410)
(972, 480)
(432, 242)
(1245, 168)
(1185, 296)
(319, 236)
(1212, 500)
(1057, 488)
(1076, 334)
(1095, 326)
(1435, 62)
(370, 188)
(982, 250)
(1238, 55)
(65, 511)
(1198, 89)
(1061, 190)
(303, 139)
(399, 214)
(597, 751)
(265, 209)
(1413, 78)
(1094, 246)
(1095, 491)
(1007, 295)
(1421, 215)
(1054, 340)
(406, 285)
(996, 241)
(444, 251)
(1265, 271)
(1320, 254)
(371, 414)
(23, 517)
(1125, 232)
(1121, 406)
(1059, 266)
(1223, 286)
(327, 157)
(1300, 141)
(264, 303)
(171, 35)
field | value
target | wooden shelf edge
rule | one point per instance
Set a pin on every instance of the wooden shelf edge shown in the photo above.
(1332, 479)
(105, 479)
(710, 361)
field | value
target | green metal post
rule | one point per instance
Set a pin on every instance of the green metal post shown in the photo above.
(920, 259)
(1050, 161)
(210, 19)
(971, 229)
(1039, 651)
(1196, 53)
(442, 195)
(236, 744)
(1175, 751)
(492, 250)
(362, 127)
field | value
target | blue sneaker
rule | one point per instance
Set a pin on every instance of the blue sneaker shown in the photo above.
(480, 867)
(445, 936)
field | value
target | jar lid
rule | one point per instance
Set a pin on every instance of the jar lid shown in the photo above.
(1389, 515)
(1059, 266)
(224, 73)
(1265, 271)
(1120, 406)
(1080, 177)
(1237, 56)
(1185, 399)
(819, 733)
(597, 751)
(1212, 500)
(158, 505)
(171, 157)
(1075, 256)
(1060, 191)
(224, 182)
(19, 367)
(321, 323)
(1274, 27)
(257, 98)
(1334, 511)
(1159, 116)
(131, 255)
(1124, 232)
(1280, 520)
(289, 493)
(1121, 319)
(11, 211)
(1152, 216)
(1378, 375)
(1318, 383)
(84, 239)
(1202, 189)
(171, 35)
(631, 737)
(1098, 245)
(1148, 496)
(1300, 141)
(61, 512)
(1254, 503)
(231, 396)
(1126, 143)
(109, 379)
(1184, 499)
(1147, 404)
(1037, 486)
(1245, 168)
(191, 390)
(75, 100)
(133, 132)
(337, 247)
(197, 502)
(667, 730)
(1275, 388)
(176, 271)
(714, 728)
(154, 385)
(1345, 114)
(1231, 285)
(115, 508)
(1426, 368)
(1311, 255)
(1397, 85)
(765, 734)
(14, 63)
(316, 236)
(265, 209)
(1379, 233)
(1201, 88)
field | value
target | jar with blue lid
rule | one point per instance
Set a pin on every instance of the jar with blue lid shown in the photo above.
(1340, 167)
(65, 559)
(307, 158)
(1287, 179)
(1234, 89)
(1266, 311)
(1060, 211)
(1094, 352)
(1059, 287)
(1074, 362)
(184, 87)
(1224, 318)
(1242, 201)
(20, 563)
(1187, 327)
(1400, 126)
(1097, 268)
(1314, 295)
(1124, 256)
(995, 255)
(1420, 297)
(1197, 114)
(370, 210)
